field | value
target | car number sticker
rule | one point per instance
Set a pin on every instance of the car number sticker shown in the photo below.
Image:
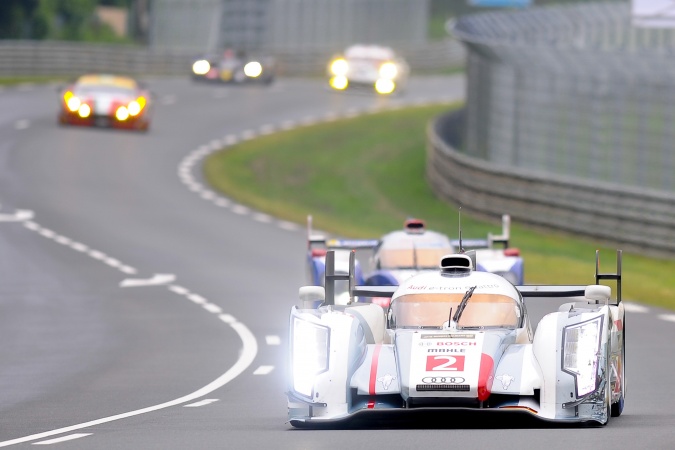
(445, 356)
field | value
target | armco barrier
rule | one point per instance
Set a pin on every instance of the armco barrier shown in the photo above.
(631, 218)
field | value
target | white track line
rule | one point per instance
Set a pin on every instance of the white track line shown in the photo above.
(246, 357)
(273, 340)
(263, 370)
(667, 317)
(70, 437)
(204, 402)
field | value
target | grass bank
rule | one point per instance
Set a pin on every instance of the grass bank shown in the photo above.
(363, 177)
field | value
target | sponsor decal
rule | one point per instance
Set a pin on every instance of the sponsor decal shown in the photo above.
(446, 350)
(445, 363)
(506, 380)
(443, 380)
(448, 336)
(386, 381)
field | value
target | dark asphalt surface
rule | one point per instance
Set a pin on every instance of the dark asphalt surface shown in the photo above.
(111, 206)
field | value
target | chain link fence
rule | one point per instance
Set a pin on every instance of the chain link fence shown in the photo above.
(572, 91)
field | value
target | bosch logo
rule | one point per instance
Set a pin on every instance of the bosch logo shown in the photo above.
(443, 380)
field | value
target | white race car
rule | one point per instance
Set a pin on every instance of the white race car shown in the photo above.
(370, 66)
(456, 340)
(400, 254)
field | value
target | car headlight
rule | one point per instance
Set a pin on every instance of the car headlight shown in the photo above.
(388, 70)
(309, 354)
(84, 111)
(581, 346)
(385, 86)
(253, 69)
(72, 102)
(339, 67)
(122, 113)
(201, 67)
(339, 82)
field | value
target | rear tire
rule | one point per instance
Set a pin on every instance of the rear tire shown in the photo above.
(617, 407)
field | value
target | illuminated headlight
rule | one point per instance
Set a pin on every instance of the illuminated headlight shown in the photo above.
(581, 346)
(339, 67)
(384, 86)
(253, 69)
(84, 111)
(388, 70)
(339, 82)
(122, 113)
(73, 103)
(201, 67)
(134, 108)
(309, 354)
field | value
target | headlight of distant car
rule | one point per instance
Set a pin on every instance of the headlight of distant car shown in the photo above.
(581, 345)
(339, 82)
(388, 70)
(136, 106)
(72, 102)
(253, 69)
(201, 67)
(309, 354)
(385, 86)
(339, 67)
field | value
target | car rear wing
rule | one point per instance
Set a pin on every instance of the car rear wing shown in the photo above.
(491, 240)
(320, 240)
(331, 276)
(551, 291)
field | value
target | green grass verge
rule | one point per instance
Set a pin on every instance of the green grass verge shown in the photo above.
(10, 81)
(363, 177)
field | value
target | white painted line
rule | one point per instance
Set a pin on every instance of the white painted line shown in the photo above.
(21, 124)
(207, 195)
(213, 145)
(668, 317)
(263, 370)
(267, 129)
(289, 226)
(128, 270)
(248, 134)
(222, 202)
(240, 209)
(273, 340)
(204, 402)
(231, 139)
(157, 279)
(180, 290)
(31, 225)
(287, 124)
(210, 307)
(227, 318)
(198, 299)
(635, 308)
(112, 262)
(63, 240)
(97, 255)
(46, 232)
(309, 120)
(260, 217)
(19, 216)
(246, 356)
(70, 437)
(79, 247)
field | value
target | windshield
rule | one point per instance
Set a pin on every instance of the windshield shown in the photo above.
(412, 258)
(432, 310)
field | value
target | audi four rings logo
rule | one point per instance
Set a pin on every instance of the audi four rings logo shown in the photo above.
(443, 380)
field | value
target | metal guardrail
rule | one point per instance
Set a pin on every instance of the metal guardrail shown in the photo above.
(633, 218)
(49, 58)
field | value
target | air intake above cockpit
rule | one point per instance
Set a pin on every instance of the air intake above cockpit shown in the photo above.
(456, 264)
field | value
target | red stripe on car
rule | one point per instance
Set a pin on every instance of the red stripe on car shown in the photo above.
(485, 377)
(373, 369)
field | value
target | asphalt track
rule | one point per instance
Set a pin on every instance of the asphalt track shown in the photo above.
(140, 310)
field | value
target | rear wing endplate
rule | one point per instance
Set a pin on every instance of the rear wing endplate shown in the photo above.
(331, 276)
(491, 240)
(551, 291)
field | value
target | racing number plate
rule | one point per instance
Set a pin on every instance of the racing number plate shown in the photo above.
(445, 359)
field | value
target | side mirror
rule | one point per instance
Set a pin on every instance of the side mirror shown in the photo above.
(598, 293)
(311, 297)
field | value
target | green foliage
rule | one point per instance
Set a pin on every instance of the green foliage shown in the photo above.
(73, 20)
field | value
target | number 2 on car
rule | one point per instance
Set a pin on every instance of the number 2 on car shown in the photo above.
(445, 363)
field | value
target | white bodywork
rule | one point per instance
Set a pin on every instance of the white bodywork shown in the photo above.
(352, 359)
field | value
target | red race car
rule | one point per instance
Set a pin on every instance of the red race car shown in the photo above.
(105, 101)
